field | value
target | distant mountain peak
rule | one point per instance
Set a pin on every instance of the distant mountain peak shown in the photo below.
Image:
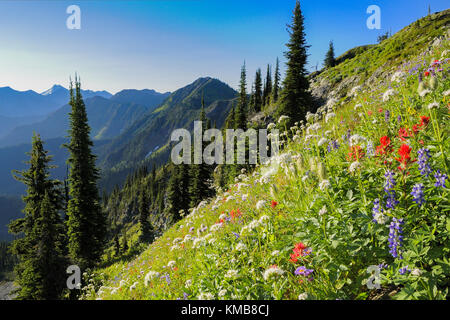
(53, 89)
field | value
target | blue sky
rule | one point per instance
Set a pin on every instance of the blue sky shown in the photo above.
(164, 45)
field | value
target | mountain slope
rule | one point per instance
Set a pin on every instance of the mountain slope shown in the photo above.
(148, 98)
(179, 110)
(15, 103)
(107, 119)
(363, 184)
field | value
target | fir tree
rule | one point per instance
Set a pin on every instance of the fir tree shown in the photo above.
(267, 86)
(296, 99)
(276, 82)
(200, 173)
(242, 108)
(145, 226)
(174, 195)
(330, 60)
(86, 221)
(258, 100)
(40, 250)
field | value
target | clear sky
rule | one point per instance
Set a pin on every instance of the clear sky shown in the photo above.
(164, 45)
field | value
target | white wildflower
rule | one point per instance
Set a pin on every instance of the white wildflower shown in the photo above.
(272, 273)
(171, 264)
(322, 141)
(133, 286)
(354, 166)
(241, 246)
(188, 283)
(222, 293)
(260, 204)
(205, 296)
(329, 116)
(416, 272)
(388, 94)
(232, 274)
(433, 105)
(303, 296)
(323, 211)
(324, 184)
(424, 92)
(275, 253)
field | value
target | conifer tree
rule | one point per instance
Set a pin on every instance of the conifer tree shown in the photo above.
(86, 220)
(276, 82)
(242, 108)
(174, 194)
(145, 225)
(296, 99)
(258, 100)
(50, 251)
(40, 250)
(330, 60)
(200, 173)
(267, 86)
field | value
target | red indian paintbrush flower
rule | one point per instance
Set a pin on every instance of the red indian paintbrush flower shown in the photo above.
(274, 204)
(405, 156)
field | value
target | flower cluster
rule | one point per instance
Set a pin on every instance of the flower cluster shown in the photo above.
(417, 193)
(440, 179)
(389, 185)
(300, 250)
(423, 157)
(395, 237)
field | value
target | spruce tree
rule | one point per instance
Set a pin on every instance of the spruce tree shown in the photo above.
(40, 250)
(86, 220)
(258, 100)
(276, 82)
(267, 86)
(296, 99)
(330, 60)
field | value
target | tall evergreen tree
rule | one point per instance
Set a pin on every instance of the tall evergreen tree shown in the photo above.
(267, 86)
(200, 173)
(242, 108)
(145, 225)
(86, 221)
(40, 250)
(258, 100)
(296, 99)
(276, 82)
(330, 60)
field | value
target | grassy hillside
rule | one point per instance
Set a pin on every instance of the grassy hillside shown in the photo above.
(363, 183)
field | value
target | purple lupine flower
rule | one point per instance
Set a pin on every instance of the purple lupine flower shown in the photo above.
(185, 296)
(404, 270)
(370, 150)
(399, 119)
(387, 115)
(191, 229)
(167, 278)
(333, 145)
(389, 185)
(423, 157)
(236, 235)
(417, 193)
(440, 179)
(383, 265)
(395, 237)
(377, 209)
(303, 271)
